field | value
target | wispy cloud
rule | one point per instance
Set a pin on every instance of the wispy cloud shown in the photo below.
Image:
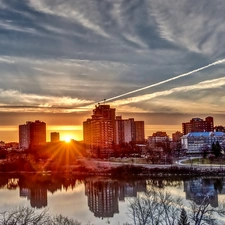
(197, 27)
(15, 99)
(6, 60)
(7, 25)
(67, 10)
(209, 84)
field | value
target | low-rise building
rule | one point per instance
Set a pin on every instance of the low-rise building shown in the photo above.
(197, 142)
(159, 136)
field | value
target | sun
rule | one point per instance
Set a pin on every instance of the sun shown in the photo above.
(67, 139)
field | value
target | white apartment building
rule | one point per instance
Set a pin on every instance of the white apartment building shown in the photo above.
(196, 142)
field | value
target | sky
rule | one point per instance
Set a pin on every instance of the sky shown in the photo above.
(158, 61)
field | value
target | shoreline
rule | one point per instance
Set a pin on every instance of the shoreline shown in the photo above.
(131, 171)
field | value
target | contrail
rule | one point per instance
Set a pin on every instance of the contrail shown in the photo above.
(165, 81)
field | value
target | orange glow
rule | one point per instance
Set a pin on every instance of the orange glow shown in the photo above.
(66, 133)
(67, 137)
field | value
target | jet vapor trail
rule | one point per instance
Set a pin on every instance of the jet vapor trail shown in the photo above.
(165, 81)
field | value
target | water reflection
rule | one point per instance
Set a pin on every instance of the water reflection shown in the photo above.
(104, 194)
(197, 189)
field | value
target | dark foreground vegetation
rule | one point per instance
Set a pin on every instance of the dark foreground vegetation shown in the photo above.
(28, 216)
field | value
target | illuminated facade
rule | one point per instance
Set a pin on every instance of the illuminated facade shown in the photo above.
(99, 131)
(104, 130)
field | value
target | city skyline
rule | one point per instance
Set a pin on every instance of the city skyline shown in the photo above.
(156, 61)
(67, 132)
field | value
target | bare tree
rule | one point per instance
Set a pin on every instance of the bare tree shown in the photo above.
(28, 216)
(61, 220)
(154, 207)
(204, 213)
(25, 216)
(158, 207)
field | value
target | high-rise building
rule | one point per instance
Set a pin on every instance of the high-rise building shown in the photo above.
(128, 130)
(119, 134)
(32, 134)
(24, 135)
(54, 136)
(99, 131)
(139, 131)
(105, 130)
(37, 133)
(198, 125)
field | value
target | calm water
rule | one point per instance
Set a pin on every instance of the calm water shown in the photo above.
(96, 200)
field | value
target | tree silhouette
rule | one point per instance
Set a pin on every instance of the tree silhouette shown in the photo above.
(216, 149)
(183, 218)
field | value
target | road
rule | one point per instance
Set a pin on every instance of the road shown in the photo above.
(100, 164)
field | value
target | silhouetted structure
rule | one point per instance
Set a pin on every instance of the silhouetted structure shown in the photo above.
(54, 136)
(177, 136)
(159, 136)
(219, 128)
(24, 135)
(32, 134)
(198, 125)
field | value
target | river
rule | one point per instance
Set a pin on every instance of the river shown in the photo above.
(99, 200)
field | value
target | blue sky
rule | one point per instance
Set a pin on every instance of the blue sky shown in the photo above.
(64, 56)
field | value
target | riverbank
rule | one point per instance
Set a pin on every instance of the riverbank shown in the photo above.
(130, 171)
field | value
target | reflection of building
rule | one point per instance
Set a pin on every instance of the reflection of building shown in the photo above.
(104, 195)
(32, 134)
(102, 198)
(198, 125)
(54, 136)
(196, 142)
(25, 192)
(131, 189)
(198, 190)
(38, 197)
